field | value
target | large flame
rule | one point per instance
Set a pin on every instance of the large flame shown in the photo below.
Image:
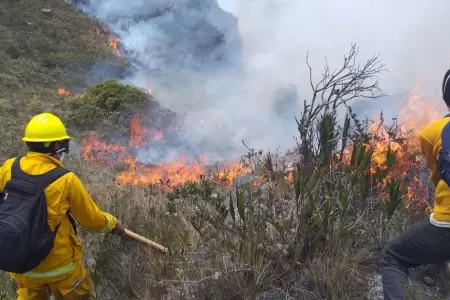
(169, 174)
(412, 118)
(414, 115)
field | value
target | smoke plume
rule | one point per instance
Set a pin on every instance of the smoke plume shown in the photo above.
(237, 71)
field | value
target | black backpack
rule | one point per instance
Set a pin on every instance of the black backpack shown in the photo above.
(25, 236)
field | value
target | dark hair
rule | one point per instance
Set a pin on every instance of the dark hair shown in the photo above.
(446, 88)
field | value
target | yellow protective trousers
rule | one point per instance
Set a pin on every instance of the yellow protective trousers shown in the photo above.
(72, 285)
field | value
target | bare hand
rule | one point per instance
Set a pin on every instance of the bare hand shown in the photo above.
(119, 229)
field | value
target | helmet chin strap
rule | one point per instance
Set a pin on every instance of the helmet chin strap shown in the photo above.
(60, 153)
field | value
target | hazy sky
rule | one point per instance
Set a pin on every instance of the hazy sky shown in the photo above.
(410, 35)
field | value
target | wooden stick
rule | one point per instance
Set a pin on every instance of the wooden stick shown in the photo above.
(146, 241)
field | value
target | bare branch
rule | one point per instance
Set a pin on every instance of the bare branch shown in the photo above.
(352, 80)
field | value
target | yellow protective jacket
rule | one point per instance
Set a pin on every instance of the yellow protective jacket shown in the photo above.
(65, 194)
(431, 144)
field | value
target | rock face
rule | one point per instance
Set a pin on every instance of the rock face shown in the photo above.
(171, 36)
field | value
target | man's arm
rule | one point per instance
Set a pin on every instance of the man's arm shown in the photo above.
(87, 213)
(430, 158)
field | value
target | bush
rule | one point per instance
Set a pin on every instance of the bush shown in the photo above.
(107, 106)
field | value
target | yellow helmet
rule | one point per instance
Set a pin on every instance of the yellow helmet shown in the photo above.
(45, 127)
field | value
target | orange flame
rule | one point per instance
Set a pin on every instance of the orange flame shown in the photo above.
(63, 92)
(289, 177)
(413, 116)
(114, 44)
(94, 147)
(169, 174)
(137, 133)
(176, 173)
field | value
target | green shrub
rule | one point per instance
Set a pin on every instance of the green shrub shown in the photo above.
(109, 106)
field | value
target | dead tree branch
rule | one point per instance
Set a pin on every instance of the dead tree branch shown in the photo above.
(351, 81)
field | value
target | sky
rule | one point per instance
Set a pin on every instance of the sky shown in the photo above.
(409, 35)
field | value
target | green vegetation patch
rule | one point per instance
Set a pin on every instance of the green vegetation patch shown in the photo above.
(108, 105)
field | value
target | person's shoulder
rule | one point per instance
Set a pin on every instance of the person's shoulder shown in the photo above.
(8, 164)
(70, 175)
(433, 130)
(9, 161)
(72, 179)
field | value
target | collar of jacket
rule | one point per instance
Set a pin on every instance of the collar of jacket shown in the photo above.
(45, 157)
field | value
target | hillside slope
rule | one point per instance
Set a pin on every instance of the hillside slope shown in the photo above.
(46, 45)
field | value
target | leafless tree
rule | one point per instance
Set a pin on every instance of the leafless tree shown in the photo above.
(352, 80)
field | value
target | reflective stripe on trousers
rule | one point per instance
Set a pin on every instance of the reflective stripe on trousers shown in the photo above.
(52, 273)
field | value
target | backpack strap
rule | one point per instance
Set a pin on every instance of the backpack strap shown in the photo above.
(445, 137)
(16, 171)
(444, 155)
(50, 177)
(44, 180)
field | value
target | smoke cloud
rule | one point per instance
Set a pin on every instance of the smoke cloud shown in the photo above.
(232, 71)
(409, 35)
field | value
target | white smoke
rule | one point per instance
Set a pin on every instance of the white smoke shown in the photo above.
(236, 101)
(409, 35)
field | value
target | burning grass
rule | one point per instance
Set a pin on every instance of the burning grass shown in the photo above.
(306, 229)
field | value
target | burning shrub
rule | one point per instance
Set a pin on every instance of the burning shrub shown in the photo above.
(108, 106)
(308, 231)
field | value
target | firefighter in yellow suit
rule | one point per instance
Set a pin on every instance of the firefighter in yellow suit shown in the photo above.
(61, 273)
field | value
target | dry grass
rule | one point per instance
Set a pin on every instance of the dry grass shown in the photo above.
(205, 264)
